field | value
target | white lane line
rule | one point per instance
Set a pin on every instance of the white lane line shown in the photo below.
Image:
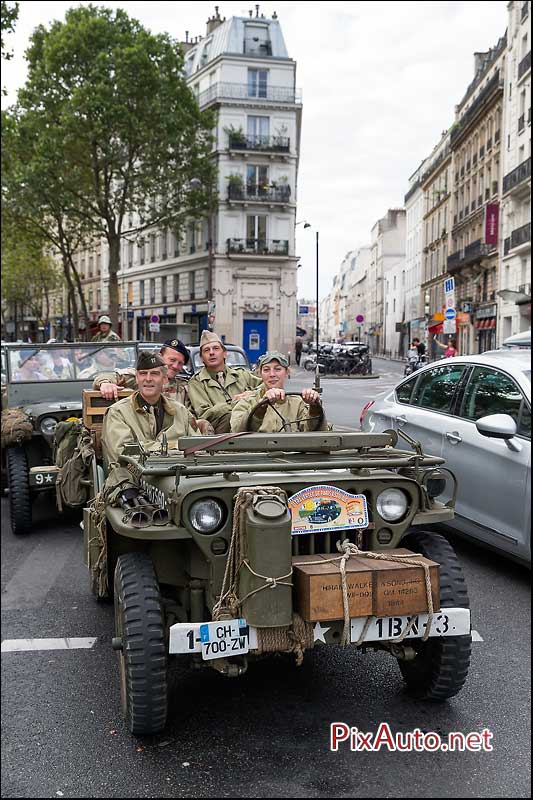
(38, 573)
(476, 637)
(21, 645)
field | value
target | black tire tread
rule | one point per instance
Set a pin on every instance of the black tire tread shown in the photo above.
(444, 668)
(144, 649)
(19, 491)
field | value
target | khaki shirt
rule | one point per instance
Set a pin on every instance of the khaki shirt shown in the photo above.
(126, 421)
(174, 389)
(111, 336)
(212, 402)
(291, 409)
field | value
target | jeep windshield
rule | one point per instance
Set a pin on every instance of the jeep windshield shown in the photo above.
(234, 359)
(52, 363)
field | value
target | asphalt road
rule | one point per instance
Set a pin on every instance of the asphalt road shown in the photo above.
(265, 734)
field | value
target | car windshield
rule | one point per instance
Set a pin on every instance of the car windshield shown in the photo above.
(234, 359)
(56, 363)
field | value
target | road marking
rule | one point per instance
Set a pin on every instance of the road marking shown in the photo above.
(476, 637)
(38, 573)
(21, 645)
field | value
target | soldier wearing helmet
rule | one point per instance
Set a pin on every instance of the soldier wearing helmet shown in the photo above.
(105, 334)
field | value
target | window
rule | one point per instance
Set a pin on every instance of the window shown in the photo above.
(141, 293)
(176, 287)
(256, 231)
(257, 82)
(163, 290)
(192, 286)
(436, 387)
(403, 392)
(258, 129)
(490, 391)
(98, 299)
(152, 290)
(256, 180)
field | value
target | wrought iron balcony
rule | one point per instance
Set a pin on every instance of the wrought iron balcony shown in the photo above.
(521, 235)
(471, 253)
(242, 91)
(275, 144)
(524, 65)
(259, 193)
(517, 176)
(260, 247)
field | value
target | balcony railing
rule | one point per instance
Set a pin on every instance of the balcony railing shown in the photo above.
(521, 235)
(524, 65)
(277, 144)
(259, 193)
(517, 176)
(525, 288)
(241, 91)
(267, 247)
(471, 253)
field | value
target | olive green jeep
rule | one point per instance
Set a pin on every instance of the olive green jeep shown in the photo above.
(215, 560)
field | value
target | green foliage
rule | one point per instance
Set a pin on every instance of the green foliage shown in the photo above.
(110, 126)
(9, 15)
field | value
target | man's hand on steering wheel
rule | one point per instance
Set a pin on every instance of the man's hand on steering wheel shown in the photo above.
(311, 397)
(275, 395)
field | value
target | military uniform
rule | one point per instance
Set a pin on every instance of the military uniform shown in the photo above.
(110, 336)
(291, 409)
(133, 419)
(174, 389)
(212, 401)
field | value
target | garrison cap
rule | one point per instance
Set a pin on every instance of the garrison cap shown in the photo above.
(179, 347)
(148, 360)
(104, 318)
(208, 337)
(273, 355)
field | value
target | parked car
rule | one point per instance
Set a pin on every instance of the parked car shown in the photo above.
(475, 412)
(236, 357)
(521, 340)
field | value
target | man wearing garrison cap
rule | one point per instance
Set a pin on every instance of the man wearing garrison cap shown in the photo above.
(214, 390)
(146, 414)
(279, 412)
(174, 354)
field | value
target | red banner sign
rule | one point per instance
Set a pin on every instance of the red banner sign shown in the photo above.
(492, 216)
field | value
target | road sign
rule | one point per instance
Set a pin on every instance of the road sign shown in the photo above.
(450, 313)
(448, 326)
(302, 310)
(154, 318)
(360, 318)
(131, 314)
(154, 327)
(449, 285)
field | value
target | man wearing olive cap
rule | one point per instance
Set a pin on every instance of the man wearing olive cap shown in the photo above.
(105, 334)
(214, 390)
(146, 414)
(280, 412)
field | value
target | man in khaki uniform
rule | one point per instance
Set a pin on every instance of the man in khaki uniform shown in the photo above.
(214, 390)
(145, 415)
(283, 413)
(174, 354)
(105, 334)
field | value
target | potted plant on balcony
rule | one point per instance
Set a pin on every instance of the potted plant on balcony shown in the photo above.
(280, 139)
(237, 137)
(235, 186)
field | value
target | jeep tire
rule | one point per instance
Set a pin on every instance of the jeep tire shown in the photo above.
(19, 490)
(140, 634)
(440, 667)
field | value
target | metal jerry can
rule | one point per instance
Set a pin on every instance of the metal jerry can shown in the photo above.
(269, 554)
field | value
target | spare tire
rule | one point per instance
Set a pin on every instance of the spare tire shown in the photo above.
(19, 490)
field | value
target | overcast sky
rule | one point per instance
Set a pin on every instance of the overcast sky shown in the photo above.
(379, 79)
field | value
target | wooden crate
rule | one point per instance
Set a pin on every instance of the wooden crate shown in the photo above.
(95, 406)
(380, 588)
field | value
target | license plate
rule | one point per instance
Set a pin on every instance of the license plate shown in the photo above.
(228, 637)
(446, 622)
(41, 477)
(186, 638)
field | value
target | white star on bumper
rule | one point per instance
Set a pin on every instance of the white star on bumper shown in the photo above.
(318, 633)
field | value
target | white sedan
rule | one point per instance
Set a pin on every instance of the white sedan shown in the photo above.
(474, 411)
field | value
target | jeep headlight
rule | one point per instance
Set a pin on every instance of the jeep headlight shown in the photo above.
(392, 504)
(48, 426)
(206, 516)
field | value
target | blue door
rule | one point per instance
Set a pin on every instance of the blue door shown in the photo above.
(254, 338)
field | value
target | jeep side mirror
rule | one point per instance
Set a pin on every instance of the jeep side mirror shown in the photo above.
(497, 426)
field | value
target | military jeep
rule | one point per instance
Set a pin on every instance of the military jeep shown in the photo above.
(216, 563)
(44, 382)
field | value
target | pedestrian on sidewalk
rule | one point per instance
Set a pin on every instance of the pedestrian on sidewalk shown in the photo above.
(298, 345)
(450, 349)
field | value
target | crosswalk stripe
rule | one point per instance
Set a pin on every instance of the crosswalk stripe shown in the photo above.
(22, 645)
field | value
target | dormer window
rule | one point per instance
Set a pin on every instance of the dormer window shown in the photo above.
(257, 40)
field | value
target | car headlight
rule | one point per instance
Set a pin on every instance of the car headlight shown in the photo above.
(392, 504)
(48, 426)
(206, 516)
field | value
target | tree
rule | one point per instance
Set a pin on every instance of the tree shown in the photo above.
(9, 15)
(108, 101)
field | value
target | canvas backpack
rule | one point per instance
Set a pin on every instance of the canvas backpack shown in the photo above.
(70, 488)
(65, 440)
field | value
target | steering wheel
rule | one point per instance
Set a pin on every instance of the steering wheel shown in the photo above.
(282, 421)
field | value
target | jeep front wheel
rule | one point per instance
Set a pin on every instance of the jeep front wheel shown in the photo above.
(140, 644)
(440, 666)
(19, 491)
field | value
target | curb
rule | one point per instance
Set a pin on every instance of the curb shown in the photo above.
(349, 377)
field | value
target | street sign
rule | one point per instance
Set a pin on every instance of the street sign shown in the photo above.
(154, 318)
(193, 308)
(131, 314)
(449, 285)
(450, 313)
(154, 327)
(303, 310)
(448, 326)
(360, 318)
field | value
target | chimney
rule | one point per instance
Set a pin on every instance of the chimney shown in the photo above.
(186, 45)
(214, 22)
(479, 60)
(256, 12)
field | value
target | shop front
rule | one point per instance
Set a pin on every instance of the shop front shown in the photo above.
(485, 327)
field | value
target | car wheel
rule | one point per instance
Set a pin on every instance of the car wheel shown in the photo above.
(19, 491)
(440, 666)
(140, 644)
